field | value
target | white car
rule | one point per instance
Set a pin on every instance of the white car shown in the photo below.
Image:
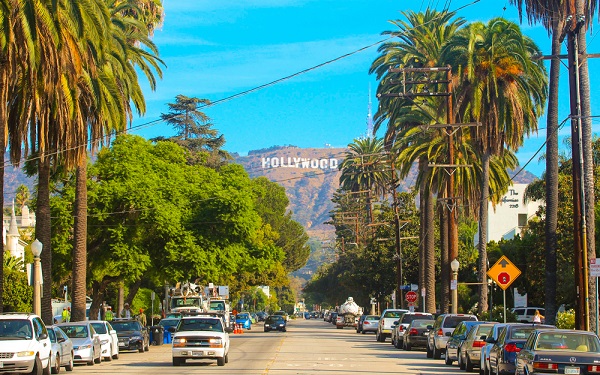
(109, 342)
(24, 344)
(200, 337)
(386, 323)
(86, 343)
(62, 350)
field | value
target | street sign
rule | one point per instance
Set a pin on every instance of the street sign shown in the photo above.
(594, 267)
(411, 297)
(504, 272)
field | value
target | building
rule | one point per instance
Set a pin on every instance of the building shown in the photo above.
(511, 216)
(11, 237)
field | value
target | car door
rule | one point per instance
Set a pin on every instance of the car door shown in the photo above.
(113, 338)
(65, 346)
(496, 351)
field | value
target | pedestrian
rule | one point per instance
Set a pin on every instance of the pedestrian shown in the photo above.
(537, 318)
(108, 315)
(65, 315)
(142, 317)
(126, 312)
(68, 314)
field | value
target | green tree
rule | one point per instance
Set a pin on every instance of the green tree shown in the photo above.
(500, 86)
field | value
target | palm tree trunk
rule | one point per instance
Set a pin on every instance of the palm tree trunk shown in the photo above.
(79, 246)
(551, 243)
(588, 164)
(422, 234)
(430, 300)
(483, 235)
(2, 154)
(43, 234)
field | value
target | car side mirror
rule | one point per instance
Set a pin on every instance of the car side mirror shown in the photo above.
(43, 336)
(490, 340)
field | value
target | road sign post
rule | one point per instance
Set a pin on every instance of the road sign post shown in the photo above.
(504, 272)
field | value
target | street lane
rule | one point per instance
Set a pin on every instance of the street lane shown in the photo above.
(308, 347)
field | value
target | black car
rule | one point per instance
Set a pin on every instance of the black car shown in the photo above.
(132, 335)
(275, 323)
(559, 351)
(261, 316)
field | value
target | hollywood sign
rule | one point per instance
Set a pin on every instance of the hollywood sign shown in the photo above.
(307, 163)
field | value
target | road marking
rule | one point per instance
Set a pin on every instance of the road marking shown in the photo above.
(277, 351)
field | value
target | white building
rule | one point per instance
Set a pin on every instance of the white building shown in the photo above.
(10, 232)
(510, 217)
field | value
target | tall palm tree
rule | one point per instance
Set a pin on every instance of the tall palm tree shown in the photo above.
(420, 42)
(501, 87)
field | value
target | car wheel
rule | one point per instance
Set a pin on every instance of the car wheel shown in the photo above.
(284, 330)
(429, 352)
(362, 331)
(469, 365)
(397, 344)
(227, 358)
(266, 330)
(99, 359)
(461, 364)
(56, 368)
(147, 347)
(37, 367)
(447, 359)
(141, 348)
(437, 354)
(221, 361)
(69, 366)
(178, 361)
(407, 347)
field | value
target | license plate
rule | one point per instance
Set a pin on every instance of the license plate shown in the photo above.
(121, 344)
(571, 370)
(199, 354)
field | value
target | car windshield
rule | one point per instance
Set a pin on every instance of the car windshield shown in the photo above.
(407, 318)
(482, 329)
(217, 305)
(392, 314)
(75, 331)
(186, 302)
(15, 329)
(568, 342)
(275, 319)
(422, 323)
(200, 324)
(169, 323)
(100, 328)
(243, 316)
(520, 333)
(126, 326)
(453, 321)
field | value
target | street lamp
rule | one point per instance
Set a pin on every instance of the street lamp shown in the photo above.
(36, 249)
(454, 285)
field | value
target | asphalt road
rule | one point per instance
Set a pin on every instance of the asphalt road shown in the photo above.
(308, 347)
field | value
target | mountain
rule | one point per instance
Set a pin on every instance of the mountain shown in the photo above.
(310, 177)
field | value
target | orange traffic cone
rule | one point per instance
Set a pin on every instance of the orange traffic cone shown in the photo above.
(241, 328)
(235, 329)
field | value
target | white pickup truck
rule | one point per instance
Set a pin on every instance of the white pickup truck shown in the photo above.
(200, 337)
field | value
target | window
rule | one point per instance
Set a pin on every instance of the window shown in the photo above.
(522, 220)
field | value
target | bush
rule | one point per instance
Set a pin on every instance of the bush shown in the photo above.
(17, 295)
(566, 320)
(498, 315)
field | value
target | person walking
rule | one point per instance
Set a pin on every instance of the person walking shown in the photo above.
(537, 318)
(65, 315)
(126, 312)
(142, 317)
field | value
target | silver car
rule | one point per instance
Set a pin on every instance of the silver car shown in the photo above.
(61, 352)
(484, 356)
(441, 332)
(370, 324)
(470, 350)
(86, 342)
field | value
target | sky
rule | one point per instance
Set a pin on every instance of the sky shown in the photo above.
(227, 50)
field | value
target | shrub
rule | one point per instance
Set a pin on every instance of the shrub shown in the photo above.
(566, 319)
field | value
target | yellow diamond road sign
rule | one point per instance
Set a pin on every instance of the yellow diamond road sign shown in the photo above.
(504, 272)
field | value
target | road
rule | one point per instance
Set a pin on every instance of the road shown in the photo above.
(308, 347)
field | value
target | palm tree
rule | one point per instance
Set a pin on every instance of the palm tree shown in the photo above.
(421, 40)
(501, 87)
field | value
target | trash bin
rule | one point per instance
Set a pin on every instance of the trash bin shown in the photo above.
(168, 337)
(157, 335)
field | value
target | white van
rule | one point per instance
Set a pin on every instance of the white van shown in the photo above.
(525, 314)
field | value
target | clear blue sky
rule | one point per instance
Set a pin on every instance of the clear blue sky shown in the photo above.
(216, 49)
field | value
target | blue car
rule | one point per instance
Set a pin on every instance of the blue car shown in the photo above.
(244, 320)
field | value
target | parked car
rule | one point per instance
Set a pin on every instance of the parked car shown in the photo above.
(167, 323)
(440, 334)
(470, 350)
(244, 320)
(370, 324)
(200, 337)
(333, 317)
(24, 343)
(484, 356)
(559, 351)
(526, 314)
(261, 316)
(403, 323)
(132, 335)
(86, 342)
(386, 322)
(61, 354)
(456, 339)
(275, 322)
(504, 352)
(108, 339)
(415, 335)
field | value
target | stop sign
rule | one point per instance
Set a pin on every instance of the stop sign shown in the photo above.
(504, 278)
(411, 297)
